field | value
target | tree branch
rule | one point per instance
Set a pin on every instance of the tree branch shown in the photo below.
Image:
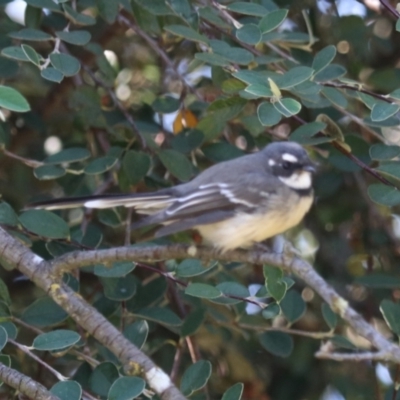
(294, 265)
(134, 361)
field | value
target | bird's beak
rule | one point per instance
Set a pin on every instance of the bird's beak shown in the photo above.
(309, 168)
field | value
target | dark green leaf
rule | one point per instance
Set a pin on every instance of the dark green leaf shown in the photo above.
(118, 269)
(294, 77)
(160, 315)
(241, 7)
(249, 33)
(329, 316)
(177, 164)
(47, 172)
(3, 337)
(77, 18)
(259, 90)
(44, 223)
(126, 388)
(212, 59)
(329, 73)
(272, 20)
(79, 38)
(293, 306)
(137, 333)
(335, 96)
(391, 313)
(49, 4)
(12, 100)
(56, 340)
(67, 390)
(31, 34)
(234, 392)
(287, 107)
(70, 155)
(156, 7)
(43, 312)
(51, 74)
(203, 291)
(323, 58)
(192, 267)
(187, 33)
(271, 311)
(102, 378)
(382, 111)
(119, 289)
(100, 165)
(193, 322)
(267, 114)
(14, 52)
(277, 343)
(31, 54)
(7, 215)
(165, 105)
(383, 194)
(305, 134)
(195, 377)
(382, 151)
(232, 289)
(136, 165)
(66, 64)
(379, 281)
(108, 10)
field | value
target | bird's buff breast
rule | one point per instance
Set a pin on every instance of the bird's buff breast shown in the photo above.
(246, 229)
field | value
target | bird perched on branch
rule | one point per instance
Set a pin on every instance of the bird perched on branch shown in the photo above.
(232, 204)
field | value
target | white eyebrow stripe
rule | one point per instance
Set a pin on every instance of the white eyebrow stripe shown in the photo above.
(290, 157)
(220, 185)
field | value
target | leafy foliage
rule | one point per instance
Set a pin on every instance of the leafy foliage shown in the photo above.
(114, 96)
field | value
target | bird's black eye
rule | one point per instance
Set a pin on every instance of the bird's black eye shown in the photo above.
(286, 165)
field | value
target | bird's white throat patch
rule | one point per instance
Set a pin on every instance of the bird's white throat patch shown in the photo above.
(298, 180)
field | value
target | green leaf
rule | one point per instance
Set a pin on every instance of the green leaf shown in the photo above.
(67, 390)
(100, 165)
(236, 55)
(249, 33)
(31, 34)
(31, 54)
(267, 114)
(56, 340)
(203, 291)
(212, 59)
(275, 285)
(155, 7)
(271, 311)
(77, 18)
(47, 172)
(160, 315)
(391, 168)
(136, 165)
(176, 163)
(378, 281)
(231, 289)
(294, 77)
(234, 392)
(277, 343)
(343, 342)
(329, 316)
(73, 154)
(43, 312)
(190, 267)
(66, 64)
(323, 58)
(117, 270)
(226, 109)
(102, 378)
(193, 322)
(3, 337)
(49, 4)
(382, 151)
(287, 107)
(187, 33)
(10, 328)
(329, 73)
(119, 289)
(137, 333)
(293, 306)
(12, 100)
(335, 96)
(272, 20)
(126, 388)
(8, 215)
(241, 7)
(14, 52)
(165, 104)
(391, 313)
(383, 194)
(45, 223)
(382, 111)
(51, 74)
(4, 294)
(78, 38)
(304, 134)
(259, 90)
(195, 377)
(108, 10)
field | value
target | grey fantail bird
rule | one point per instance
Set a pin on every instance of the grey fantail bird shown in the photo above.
(232, 204)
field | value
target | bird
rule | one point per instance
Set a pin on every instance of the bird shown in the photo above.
(233, 204)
